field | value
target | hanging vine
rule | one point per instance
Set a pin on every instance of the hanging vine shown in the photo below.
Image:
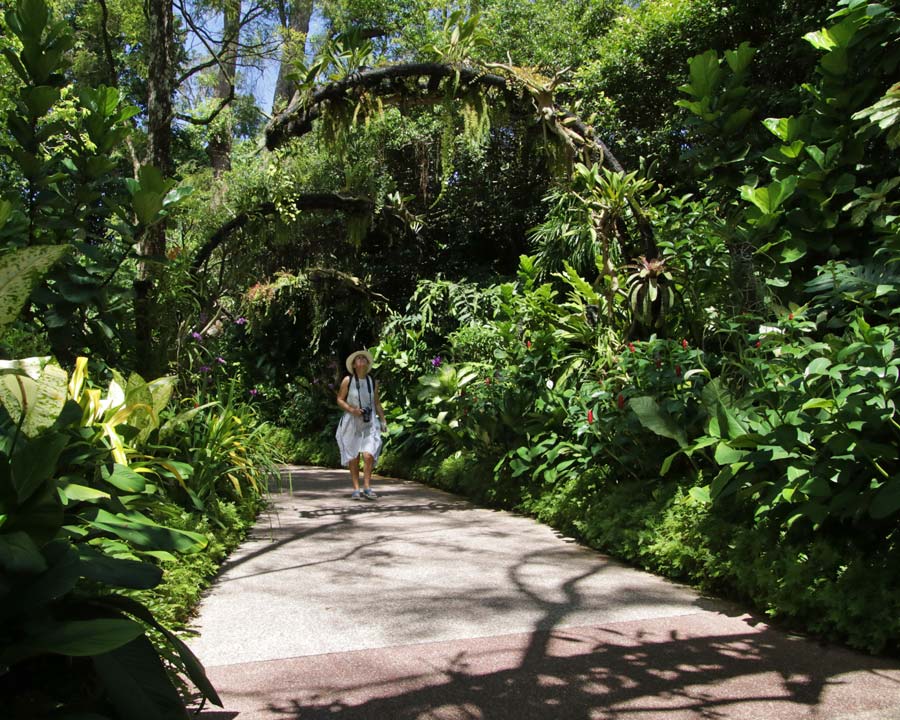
(353, 91)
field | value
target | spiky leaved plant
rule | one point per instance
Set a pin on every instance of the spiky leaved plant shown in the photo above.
(651, 292)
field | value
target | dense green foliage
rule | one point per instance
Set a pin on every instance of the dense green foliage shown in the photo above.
(691, 363)
(104, 481)
(747, 375)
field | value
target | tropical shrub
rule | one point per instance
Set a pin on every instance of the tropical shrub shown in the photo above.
(813, 433)
(75, 529)
(751, 444)
(63, 149)
(79, 535)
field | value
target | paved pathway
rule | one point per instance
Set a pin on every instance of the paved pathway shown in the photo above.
(420, 606)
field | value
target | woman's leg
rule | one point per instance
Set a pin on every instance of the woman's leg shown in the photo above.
(354, 473)
(368, 462)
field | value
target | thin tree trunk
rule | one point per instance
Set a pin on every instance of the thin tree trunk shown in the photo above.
(219, 148)
(112, 78)
(295, 16)
(152, 245)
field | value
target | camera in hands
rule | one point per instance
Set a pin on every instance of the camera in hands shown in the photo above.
(366, 414)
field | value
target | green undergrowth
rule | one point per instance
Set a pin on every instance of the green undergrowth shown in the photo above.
(319, 449)
(175, 599)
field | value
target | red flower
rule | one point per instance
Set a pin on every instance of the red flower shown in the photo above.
(678, 370)
(790, 316)
(528, 344)
(684, 344)
(590, 416)
(620, 401)
(759, 343)
(631, 347)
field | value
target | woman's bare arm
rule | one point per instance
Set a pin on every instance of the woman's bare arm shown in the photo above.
(378, 408)
(342, 398)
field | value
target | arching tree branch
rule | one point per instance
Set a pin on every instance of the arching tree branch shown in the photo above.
(310, 201)
(297, 119)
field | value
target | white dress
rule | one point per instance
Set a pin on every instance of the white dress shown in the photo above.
(353, 435)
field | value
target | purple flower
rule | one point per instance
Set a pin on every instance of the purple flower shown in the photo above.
(205, 368)
(436, 361)
(197, 336)
(254, 392)
(241, 321)
(220, 360)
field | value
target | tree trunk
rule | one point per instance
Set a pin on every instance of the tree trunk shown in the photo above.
(152, 245)
(295, 16)
(219, 148)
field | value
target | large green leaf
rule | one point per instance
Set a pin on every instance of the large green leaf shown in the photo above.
(727, 455)
(40, 99)
(125, 479)
(655, 418)
(137, 683)
(770, 198)
(147, 206)
(739, 60)
(152, 180)
(16, 64)
(719, 403)
(35, 463)
(161, 390)
(20, 270)
(83, 638)
(35, 388)
(118, 573)
(19, 554)
(32, 16)
(74, 492)
(788, 129)
(57, 580)
(192, 665)
(705, 74)
(40, 516)
(143, 532)
(886, 501)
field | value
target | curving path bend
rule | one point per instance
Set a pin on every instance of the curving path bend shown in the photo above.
(421, 606)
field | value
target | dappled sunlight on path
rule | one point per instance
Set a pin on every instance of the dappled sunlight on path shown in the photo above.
(420, 605)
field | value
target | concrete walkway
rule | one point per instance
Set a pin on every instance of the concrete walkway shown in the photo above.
(420, 606)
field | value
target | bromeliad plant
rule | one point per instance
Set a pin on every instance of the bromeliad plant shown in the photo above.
(651, 293)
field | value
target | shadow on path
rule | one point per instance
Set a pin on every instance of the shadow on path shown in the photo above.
(708, 663)
(584, 674)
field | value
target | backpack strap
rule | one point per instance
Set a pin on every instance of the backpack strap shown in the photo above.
(369, 387)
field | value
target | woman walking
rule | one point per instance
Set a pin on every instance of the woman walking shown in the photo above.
(360, 428)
